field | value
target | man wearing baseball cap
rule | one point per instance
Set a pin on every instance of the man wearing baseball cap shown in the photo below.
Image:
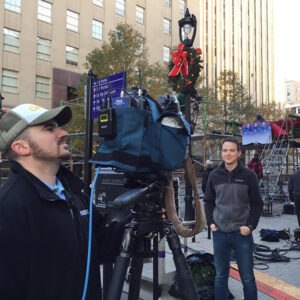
(43, 211)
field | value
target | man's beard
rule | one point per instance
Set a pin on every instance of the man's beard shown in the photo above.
(40, 154)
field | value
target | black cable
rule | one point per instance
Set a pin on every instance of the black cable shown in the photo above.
(258, 264)
(275, 255)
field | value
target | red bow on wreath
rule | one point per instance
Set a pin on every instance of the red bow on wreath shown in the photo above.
(199, 51)
(180, 62)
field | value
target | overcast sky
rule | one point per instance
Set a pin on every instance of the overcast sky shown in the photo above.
(286, 43)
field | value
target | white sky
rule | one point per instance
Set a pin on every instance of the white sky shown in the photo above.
(286, 44)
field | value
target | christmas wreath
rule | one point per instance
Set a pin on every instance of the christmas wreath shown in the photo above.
(185, 69)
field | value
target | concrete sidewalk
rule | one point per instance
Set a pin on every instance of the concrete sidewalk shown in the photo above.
(276, 272)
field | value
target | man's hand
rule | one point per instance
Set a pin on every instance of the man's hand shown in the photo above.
(245, 230)
(213, 227)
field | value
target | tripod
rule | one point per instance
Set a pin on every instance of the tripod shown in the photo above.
(134, 249)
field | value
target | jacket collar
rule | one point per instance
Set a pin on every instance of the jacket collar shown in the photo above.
(224, 169)
(70, 182)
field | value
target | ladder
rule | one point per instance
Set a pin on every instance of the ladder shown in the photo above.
(273, 164)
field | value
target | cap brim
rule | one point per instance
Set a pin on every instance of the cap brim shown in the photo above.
(62, 115)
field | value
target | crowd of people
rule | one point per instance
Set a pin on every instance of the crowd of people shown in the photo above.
(44, 213)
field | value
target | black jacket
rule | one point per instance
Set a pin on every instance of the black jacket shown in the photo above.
(43, 239)
(294, 186)
(205, 178)
(232, 199)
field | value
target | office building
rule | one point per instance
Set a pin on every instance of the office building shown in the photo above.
(43, 44)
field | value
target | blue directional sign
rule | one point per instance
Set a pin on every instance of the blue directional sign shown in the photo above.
(101, 87)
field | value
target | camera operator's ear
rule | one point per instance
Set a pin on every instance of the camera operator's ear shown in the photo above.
(21, 147)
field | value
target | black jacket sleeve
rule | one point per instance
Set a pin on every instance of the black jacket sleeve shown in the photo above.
(15, 245)
(291, 188)
(204, 181)
(209, 200)
(256, 203)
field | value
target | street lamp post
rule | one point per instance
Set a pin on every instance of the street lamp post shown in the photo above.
(187, 27)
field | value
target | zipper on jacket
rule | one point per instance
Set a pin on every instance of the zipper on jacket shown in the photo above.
(229, 203)
(71, 212)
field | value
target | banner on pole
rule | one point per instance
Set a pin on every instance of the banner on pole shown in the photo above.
(257, 133)
(101, 87)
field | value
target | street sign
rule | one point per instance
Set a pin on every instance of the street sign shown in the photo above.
(101, 87)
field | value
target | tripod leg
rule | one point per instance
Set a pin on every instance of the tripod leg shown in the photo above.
(156, 290)
(107, 273)
(120, 268)
(136, 271)
(186, 281)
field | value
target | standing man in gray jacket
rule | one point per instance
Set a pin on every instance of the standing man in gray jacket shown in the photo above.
(233, 206)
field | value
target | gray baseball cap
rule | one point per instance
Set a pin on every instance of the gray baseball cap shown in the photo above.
(16, 120)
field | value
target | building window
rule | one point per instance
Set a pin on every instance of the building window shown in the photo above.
(288, 94)
(182, 6)
(166, 54)
(139, 17)
(44, 11)
(42, 87)
(141, 42)
(71, 56)
(167, 3)
(98, 2)
(167, 26)
(43, 48)
(72, 20)
(11, 40)
(120, 7)
(14, 5)
(97, 29)
(10, 81)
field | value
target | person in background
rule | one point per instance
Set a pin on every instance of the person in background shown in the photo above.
(256, 166)
(233, 206)
(209, 168)
(294, 192)
(44, 213)
(259, 118)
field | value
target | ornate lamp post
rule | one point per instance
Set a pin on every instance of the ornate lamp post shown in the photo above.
(187, 27)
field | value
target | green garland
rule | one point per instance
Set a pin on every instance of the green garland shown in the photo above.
(185, 84)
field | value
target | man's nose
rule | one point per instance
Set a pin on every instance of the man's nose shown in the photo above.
(61, 132)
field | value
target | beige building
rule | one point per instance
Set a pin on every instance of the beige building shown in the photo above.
(292, 96)
(43, 44)
(237, 35)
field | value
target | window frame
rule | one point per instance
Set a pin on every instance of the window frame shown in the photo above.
(40, 43)
(167, 3)
(69, 61)
(182, 6)
(12, 88)
(169, 53)
(141, 40)
(72, 22)
(44, 6)
(42, 93)
(13, 5)
(166, 26)
(139, 15)
(98, 3)
(10, 35)
(94, 32)
(120, 7)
